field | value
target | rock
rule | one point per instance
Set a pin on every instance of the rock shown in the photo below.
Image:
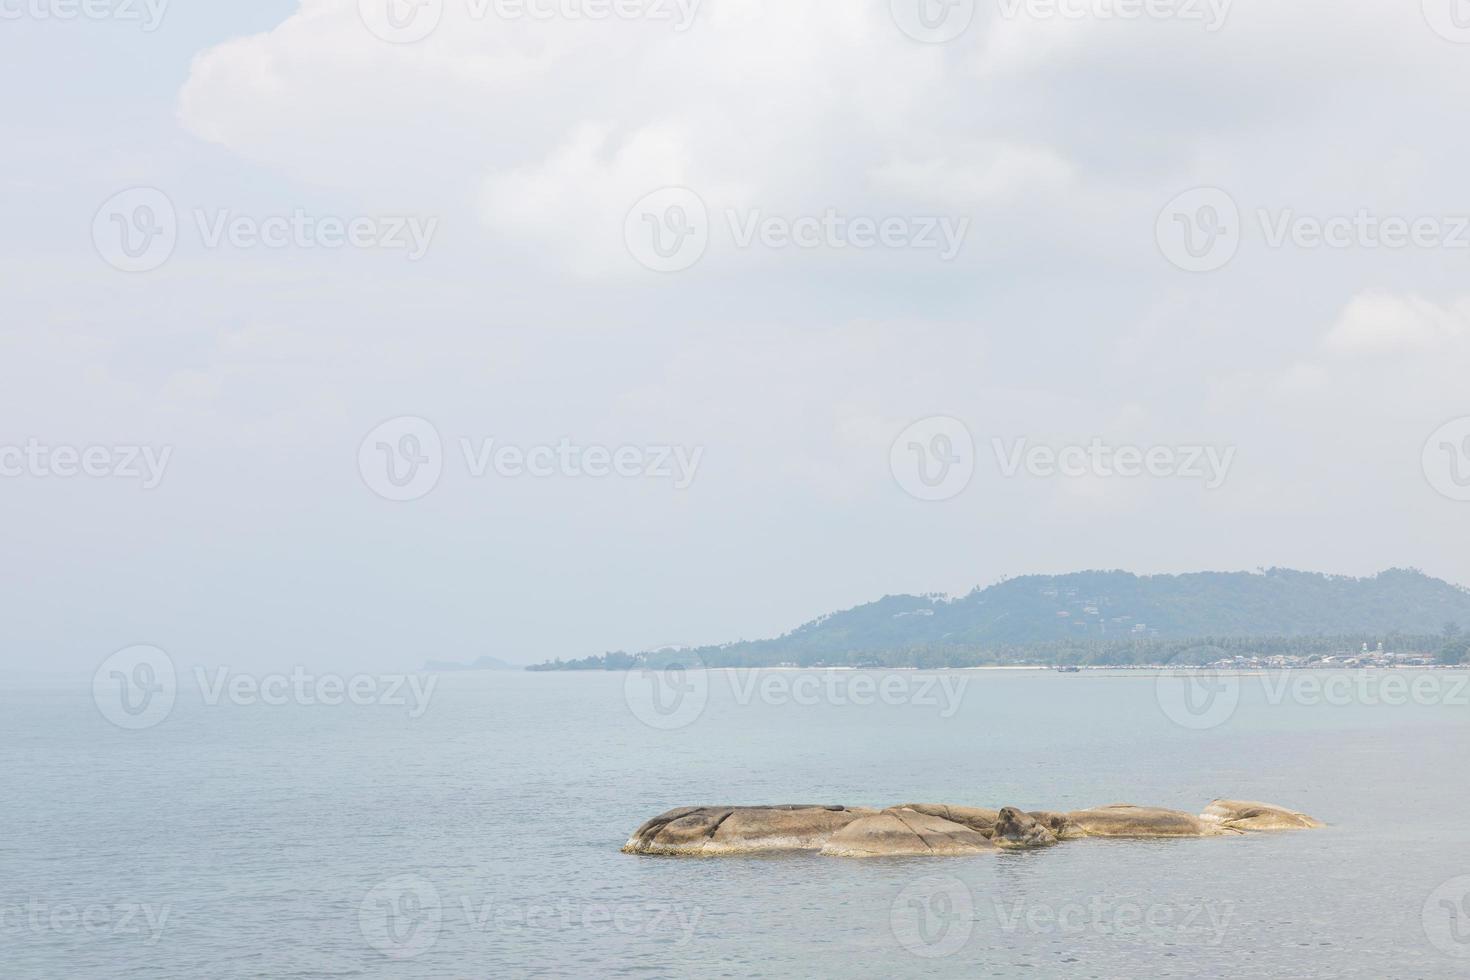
(933, 828)
(1015, 830)
(978, 819)
(1058, 823)
(902, 832)
(1127, 820)
(725, 830)
(1250, 816)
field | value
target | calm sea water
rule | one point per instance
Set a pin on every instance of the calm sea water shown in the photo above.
(482, 838)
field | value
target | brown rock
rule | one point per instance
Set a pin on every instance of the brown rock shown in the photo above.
(902, 832)
(1015, 830)
(1251, 816)
(1127, 820)
(978, 819)
(1058, 823)
(724, 830)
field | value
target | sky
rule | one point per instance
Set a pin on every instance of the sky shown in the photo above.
(355, 334)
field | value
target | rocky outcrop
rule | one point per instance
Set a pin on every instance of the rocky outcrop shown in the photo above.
(1250, 816)
(1058, 823)
(934, 829)
(724, 830)
(1128, 820)
(1019, 831)
(978, 819)
(902, 832)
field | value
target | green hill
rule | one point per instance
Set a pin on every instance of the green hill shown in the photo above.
(1105, 617)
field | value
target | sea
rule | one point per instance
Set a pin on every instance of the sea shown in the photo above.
(472, 830)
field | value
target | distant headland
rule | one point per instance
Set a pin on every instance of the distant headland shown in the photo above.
(1273, 617)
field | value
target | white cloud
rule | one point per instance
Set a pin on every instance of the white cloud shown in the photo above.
(976, 175)
(1384, 323)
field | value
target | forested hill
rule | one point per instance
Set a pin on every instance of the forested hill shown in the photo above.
(1101, 610)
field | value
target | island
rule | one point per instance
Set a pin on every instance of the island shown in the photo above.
(935, 829)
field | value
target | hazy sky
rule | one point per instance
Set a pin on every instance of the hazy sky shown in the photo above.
(800, 309)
